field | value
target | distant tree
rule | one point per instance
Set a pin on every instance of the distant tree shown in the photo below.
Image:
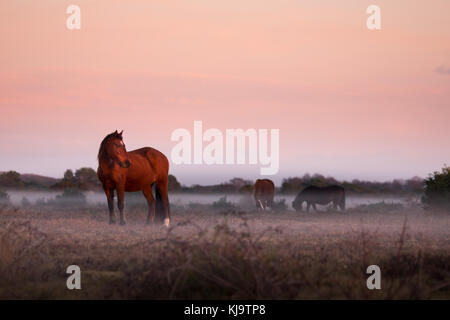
(84, 179)
(68, 175)
(174, 185)
(87, 179)
(248, 188)
(239, 182)
(437, 190)
(415, 184)
(319, 180)
(69, 180)
(11, 179)
(291, 185)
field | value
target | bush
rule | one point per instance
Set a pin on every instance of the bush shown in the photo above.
(279, 205)
(437, 191)
(4, 197)
(223, 205)
(378, 207)
(11, 179)
(71, 196)
(173, 184)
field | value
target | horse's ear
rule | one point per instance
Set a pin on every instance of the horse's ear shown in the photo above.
(115, 132)
(120, 134)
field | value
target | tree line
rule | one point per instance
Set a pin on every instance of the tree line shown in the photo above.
(435, 189)
(86, 179)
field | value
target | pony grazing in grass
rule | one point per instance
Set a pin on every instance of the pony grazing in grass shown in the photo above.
(133, 171)
(264, 193)
(313, 195)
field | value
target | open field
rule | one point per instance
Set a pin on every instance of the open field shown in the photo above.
(241, 255)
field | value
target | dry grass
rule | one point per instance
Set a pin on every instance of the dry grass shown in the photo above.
(207, 255)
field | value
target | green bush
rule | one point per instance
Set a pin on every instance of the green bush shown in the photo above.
(437, 191)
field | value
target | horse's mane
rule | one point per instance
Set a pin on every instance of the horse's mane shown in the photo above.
(101, 151)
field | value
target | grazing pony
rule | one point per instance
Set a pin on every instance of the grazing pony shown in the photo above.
(133, 171)
(264, 193)
(320, 195)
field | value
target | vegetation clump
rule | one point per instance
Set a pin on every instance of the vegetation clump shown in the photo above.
(437, 191)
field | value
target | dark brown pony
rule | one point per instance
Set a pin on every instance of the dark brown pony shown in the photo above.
(313, 195)
(133, 171)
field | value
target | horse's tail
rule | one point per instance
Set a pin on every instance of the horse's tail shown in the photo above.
(342, 203)
(159, 206)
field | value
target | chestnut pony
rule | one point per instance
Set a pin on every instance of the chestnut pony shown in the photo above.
(133, 171)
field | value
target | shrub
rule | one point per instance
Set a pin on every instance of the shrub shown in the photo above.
(279, 205)
(174, 185)
(223, 205)
(437, 191)
(11, 179)
(4, 197)
(71, 195)
(378, 207)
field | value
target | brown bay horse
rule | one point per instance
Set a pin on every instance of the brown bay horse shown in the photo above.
(136, 170)
(264, 193)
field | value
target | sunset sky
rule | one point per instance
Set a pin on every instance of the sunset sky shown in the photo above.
(349, 102)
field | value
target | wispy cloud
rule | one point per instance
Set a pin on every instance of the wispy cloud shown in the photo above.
(442, 70)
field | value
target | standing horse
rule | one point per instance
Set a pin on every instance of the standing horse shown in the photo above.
(133, 171)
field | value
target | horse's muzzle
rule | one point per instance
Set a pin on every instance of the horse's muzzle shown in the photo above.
(296, 206)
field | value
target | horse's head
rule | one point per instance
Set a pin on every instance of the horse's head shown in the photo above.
(115, 149)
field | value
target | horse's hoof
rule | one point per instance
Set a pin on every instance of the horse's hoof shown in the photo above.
(166, 222)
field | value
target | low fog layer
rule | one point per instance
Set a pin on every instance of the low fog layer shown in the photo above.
(95, 198)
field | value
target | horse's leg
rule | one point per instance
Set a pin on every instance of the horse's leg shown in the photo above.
(270, 204)
(314, 206)
(151, 204)
(120, 203)
(308, 205)
(110, 197)
(260, 206)
(162, 189)
(335, 205)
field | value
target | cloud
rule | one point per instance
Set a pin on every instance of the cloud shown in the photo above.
(442, 70)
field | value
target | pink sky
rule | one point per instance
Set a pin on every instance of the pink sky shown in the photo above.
(349, 102)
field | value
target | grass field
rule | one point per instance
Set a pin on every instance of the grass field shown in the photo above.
(219, 255)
